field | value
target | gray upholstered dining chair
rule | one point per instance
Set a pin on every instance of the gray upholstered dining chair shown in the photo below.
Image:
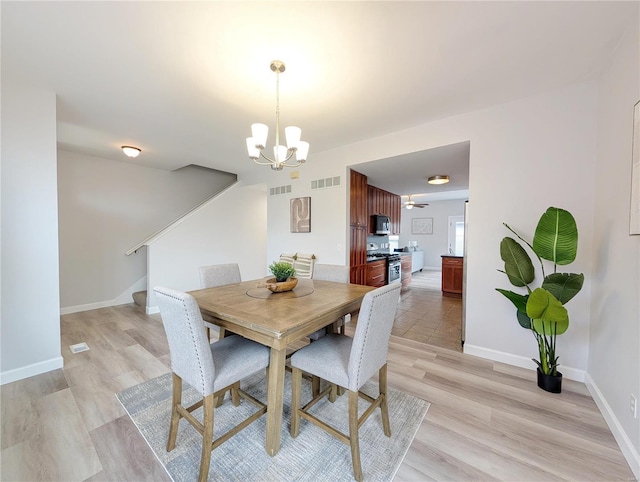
(349, 362)
(211, 369)
(218, 275)
(330, 272)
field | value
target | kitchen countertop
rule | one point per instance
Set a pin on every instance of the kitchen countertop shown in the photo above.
(371, 260)
(451, 256)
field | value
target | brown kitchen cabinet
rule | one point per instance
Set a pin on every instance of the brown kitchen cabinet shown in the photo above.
(359, 225)
(384, 202)
(396, 212)
(364, 202)
(359, 212)
(358, 255)
(452, 267)
(405, 269)
(377, 273)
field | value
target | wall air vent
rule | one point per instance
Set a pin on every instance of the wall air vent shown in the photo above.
(274, 191)
(325, 182)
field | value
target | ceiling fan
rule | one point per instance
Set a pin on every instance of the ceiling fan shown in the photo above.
(412, 204)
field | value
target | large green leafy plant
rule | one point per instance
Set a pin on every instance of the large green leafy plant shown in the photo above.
(541, 309)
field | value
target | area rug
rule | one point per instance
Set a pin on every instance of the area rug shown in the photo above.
(312, 456)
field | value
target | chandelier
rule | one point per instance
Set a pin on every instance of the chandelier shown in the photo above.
(282, 155)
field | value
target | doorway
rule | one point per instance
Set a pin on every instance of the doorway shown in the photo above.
(456, 235)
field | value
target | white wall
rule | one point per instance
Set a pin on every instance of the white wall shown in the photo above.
(525, 156)
(329, 207)
(614, 361)
(105, 208)
(30, 321)
(436, 244)
(231, 228)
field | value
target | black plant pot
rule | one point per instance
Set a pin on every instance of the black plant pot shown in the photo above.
(550, 383)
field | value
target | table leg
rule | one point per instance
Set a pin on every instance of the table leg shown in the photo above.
(275, 395)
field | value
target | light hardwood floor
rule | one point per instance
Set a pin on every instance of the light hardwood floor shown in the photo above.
(487, 421)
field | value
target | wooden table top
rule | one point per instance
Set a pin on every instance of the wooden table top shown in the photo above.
(278, 318)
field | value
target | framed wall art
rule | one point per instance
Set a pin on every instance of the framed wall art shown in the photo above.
(301, 215)
(634, 213)
(422, 226)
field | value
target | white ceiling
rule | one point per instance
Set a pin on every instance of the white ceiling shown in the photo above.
(184, 80)
(407, 174)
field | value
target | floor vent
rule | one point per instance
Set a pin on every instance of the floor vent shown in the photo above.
(78, 348)
(325, 182)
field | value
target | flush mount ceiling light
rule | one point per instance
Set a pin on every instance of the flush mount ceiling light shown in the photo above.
(438, 179)
(131, 151)
(281, 154)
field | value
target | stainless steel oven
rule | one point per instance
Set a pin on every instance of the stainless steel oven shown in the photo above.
(394, 269)
(393, 262)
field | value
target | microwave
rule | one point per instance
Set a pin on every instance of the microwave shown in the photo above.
(381, 224)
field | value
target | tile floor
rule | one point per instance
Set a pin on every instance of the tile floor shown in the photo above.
(426, 316)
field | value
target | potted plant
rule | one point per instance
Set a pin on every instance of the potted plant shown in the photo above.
(284, 277)
(541, 309)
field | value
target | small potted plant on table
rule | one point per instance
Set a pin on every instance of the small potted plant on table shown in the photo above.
(541, 309)
(284, 277)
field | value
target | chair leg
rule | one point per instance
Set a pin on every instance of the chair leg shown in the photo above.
(220, 400)
(235, 396)
(334, 392)
(315, 386)
(207, 437)
(353, 435)
(175, 416)
(384, 406)
(296, 385)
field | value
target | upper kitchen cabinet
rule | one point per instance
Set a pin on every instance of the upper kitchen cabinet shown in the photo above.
(380, 201)
(396, 213)
(359, 222)
(359, 215)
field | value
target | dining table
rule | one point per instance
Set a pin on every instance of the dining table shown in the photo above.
(278, 320)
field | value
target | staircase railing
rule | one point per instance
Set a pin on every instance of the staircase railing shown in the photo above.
(161, 232)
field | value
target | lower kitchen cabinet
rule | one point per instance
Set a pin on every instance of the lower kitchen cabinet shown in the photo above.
(358, 255)
(405, 269)
(452, 268)
(377, 273)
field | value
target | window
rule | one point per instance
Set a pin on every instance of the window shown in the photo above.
(394, 243)
(456, 235)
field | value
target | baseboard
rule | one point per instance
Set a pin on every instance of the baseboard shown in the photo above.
(124, 298)
(432, 268)
(626, 445)
(90, 306)
(152, 310)
(31, 370)
(519, 361)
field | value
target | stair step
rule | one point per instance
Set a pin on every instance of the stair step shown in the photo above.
(140, 298)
